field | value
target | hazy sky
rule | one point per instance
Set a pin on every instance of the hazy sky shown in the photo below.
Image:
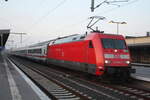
(47, 19)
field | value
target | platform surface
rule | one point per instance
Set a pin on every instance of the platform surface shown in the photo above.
(142, 72)
(13, 85)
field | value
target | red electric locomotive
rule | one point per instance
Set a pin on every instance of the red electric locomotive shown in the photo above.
(95, 53)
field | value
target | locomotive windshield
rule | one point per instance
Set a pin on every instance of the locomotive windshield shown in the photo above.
(113, 43)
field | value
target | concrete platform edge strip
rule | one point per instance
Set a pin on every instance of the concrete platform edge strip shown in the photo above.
(141, 78)
(13, 88)
(141, 64)
(36, 89)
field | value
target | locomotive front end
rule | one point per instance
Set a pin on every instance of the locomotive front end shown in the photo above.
(116, 56)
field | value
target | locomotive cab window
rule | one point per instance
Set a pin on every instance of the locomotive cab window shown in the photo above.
(113, 43)
(90, 44)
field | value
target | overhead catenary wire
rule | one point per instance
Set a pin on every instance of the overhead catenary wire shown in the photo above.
(107, 11)
(115, 8)
(81, 21)
(46, 14)
(104, 12)
(106, 2)
(43, 17)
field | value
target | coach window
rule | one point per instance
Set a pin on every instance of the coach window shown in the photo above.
(37, 51)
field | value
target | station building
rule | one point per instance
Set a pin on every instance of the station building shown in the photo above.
(139, 48)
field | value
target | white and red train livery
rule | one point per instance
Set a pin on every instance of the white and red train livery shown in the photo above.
(94, 53)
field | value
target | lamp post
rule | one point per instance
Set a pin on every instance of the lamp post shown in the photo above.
(117, 25)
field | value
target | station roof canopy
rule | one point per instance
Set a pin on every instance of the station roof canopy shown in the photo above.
(143, 41)
(4, 34)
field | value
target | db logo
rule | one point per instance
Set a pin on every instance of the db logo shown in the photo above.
(117, 56)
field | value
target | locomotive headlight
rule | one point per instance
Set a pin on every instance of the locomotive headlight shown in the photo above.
(107, 61)
(127, 62)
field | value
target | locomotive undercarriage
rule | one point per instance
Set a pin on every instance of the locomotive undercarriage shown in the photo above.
(120, 74)
(83, 67)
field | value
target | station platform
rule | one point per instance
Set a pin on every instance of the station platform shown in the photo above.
(142, 71)
(15, 85)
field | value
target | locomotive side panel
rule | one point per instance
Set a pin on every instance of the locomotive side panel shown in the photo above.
(74, 55)
(68, 51)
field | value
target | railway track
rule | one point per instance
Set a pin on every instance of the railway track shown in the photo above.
(53, 88)
(135, 92)
(130, 91)
(82, 88)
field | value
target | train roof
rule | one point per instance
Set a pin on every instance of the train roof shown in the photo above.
(103, 35)
(75, 37)
(40, 44)
(70, 38)
(47, 42)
